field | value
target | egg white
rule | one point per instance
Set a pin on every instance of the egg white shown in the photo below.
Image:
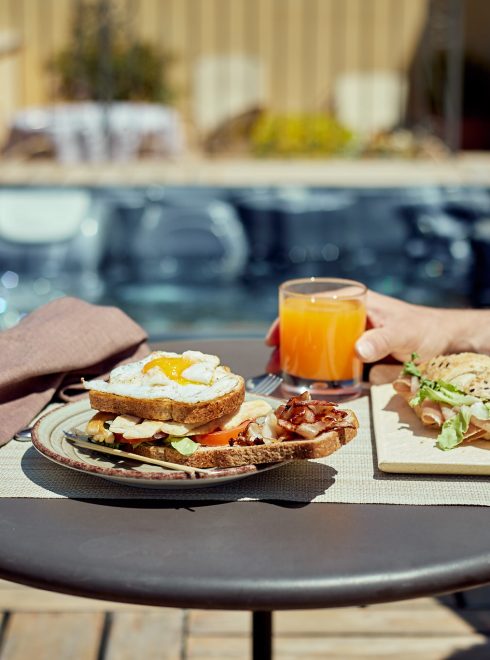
(210, 380)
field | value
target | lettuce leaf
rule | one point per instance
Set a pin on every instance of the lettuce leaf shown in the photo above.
(442, 393)
(410, 368)
(453, 429)
(480, 410)
(184, 446)
(436, 390)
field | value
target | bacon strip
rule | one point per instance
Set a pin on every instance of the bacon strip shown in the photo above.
(303, 417)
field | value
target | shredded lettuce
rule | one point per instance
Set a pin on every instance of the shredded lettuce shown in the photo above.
(454, 429)
(438, 390)
(184, 446)
(410, 368)
(480, 410)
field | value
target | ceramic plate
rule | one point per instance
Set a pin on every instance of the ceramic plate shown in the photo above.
(49, 440)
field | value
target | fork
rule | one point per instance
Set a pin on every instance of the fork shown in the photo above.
(264, 384)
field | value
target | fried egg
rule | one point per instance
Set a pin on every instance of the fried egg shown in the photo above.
(188, 377)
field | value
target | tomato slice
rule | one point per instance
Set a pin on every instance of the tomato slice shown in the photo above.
(220, 438)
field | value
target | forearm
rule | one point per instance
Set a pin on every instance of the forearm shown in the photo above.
(466, 330)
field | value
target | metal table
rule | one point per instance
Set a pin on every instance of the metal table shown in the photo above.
(257, 556)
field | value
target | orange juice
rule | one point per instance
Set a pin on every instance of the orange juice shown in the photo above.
(317, 337)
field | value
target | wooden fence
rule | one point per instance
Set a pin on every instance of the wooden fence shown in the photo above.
(290, 53)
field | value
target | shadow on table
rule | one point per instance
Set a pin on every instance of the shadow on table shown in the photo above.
(477, 652)
(187, 505)
(306, 480)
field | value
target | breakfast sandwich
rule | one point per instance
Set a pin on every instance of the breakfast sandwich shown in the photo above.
(188, 408)
(450, 393)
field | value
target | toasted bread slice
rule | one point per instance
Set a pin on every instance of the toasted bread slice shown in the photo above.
(206, 457)
(165, 409)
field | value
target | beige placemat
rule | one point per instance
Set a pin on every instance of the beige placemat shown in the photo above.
(350, 475)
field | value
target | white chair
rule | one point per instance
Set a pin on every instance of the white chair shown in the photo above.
(370, 101)
(90, 131)
(51, 244)
(225, 86)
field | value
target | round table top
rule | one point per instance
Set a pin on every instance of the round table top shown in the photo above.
(242, 555)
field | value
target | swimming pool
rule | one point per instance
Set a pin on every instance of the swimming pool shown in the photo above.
(194, 261)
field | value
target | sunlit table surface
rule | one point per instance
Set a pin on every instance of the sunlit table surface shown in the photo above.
(257, 556)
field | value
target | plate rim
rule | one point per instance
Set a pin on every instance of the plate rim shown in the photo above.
(157, 475)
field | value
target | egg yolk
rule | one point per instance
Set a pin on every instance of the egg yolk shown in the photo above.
(172, 367)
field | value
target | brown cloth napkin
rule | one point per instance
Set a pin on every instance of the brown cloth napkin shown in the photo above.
(52, 348)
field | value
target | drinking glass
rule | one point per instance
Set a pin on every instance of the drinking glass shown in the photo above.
(320, 320)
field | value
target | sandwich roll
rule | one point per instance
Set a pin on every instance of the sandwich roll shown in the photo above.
(450, 393)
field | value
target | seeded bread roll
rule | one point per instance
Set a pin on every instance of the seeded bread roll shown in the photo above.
(166, 409)
(469, 372)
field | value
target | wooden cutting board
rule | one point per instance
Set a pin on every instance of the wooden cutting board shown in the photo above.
(404, 444)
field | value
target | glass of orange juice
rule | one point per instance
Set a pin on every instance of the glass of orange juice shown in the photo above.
(320, 320)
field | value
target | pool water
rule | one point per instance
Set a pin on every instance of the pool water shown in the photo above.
(197, 261)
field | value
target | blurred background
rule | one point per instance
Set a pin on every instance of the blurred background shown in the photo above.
(181, 158)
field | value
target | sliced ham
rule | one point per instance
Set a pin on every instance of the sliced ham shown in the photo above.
(473, 433)
(483, 424)
(431, 413)
(403, 384)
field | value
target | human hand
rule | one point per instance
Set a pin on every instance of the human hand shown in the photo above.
(394, 328)
(272, 336)
(399, 329)
(272, 339)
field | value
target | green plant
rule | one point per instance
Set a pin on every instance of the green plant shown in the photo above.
(102, 62)
(299, 135)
